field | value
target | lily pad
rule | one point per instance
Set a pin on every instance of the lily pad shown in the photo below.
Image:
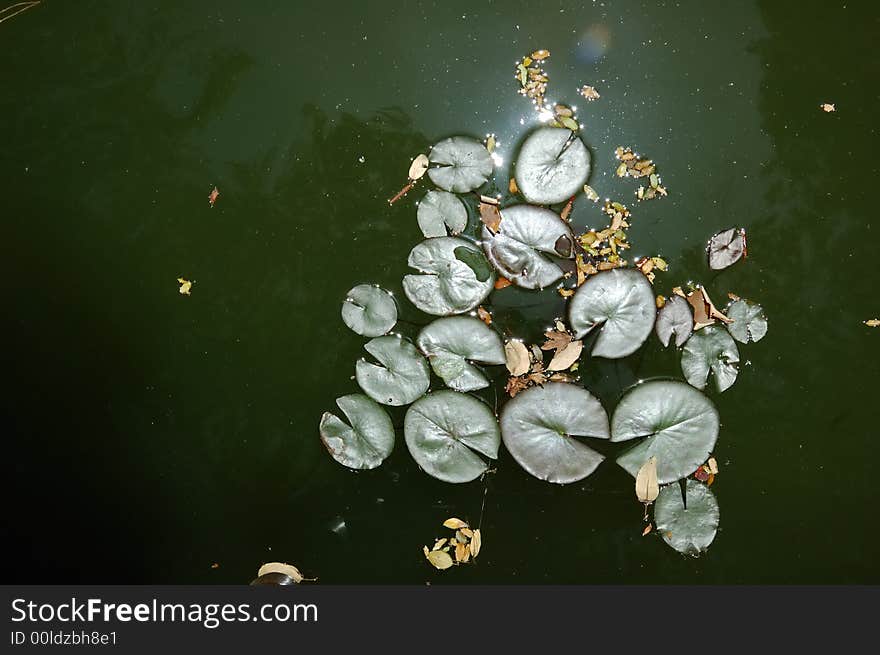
(749, 322)
(447, 285)
(447, 431)
(459, 164)
(439, 210)
(710, 349)
(403, 375)
(451, 343)
(620, 302)
(369, 310)
(726, 248)
(541, 426)
(675, 318)
(367, 441)
(677, 424)
(689, 530)
(525, 232)
(552, 166)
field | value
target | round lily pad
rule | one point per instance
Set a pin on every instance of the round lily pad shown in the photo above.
(710, 349)
(439, 210)
(367, 441)
(541, 427)
(675, 317)
(402, 376)
(447, 284)
(447, 431)
(451, 343)
(677, 424)
(459, 164)
(689, 530)
(369, 310)
(726, 248)
(525, 232)
(553, 165)
(620, 302)
(749, 322)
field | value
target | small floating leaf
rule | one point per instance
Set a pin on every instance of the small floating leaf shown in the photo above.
(517, 357)
(369, 310)
(710, 349)
(827, 107)
(553, 164)
(647, 487)
(620, 303)
(402, 377)
(675, 317)
(454, 524)
(676, 423)
(446, 284)
(451, 343)
(367, 442)
(872, 322)
(564, 358)
(212, 197)
(476, 543)
(418, 167)
(185, 286)
(284, 569)
(749, 322)
(691, 530)
(726, 248)
(463, 164)
(541, 426)
(439, 559)
(439, 210)
(447, 431)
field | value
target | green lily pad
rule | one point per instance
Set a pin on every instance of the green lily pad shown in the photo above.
(447, 431)
(726, 248)
(525, 232)
(620, 302)
(553, 165)
(403, 375)
(749, 322)
(369, 310)
(450, 344)
(710, 348)
(460, 164)
(446, 285)
(367, 441)
(541, 427)
(692, 530)
(677, 424)
(675, 317)
(439, 210)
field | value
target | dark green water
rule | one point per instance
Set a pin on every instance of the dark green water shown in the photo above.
(148, 435)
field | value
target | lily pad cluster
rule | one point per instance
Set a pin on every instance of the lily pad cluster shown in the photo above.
(549, 423)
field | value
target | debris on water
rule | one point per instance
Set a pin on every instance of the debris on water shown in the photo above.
(872, 322)
(827, 107)
(589, 93)
(465, 545)
(212, 197)
(185, 286)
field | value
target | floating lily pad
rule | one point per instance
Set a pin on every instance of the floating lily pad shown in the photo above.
(459, 164)
(525, 232)
(541, 426)
(678, 425)
(447, 285)
(369, 310)
(692, 530)
(620, 302)
(749, 322)
(403, 375)
(676, 318)
(367, 441)
(447, 431)
(710, 349)
(439, 210)
(552, 166)
(726, 248)
(449, 343)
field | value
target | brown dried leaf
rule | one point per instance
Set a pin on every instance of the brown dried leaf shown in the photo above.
(418, 167)
(484, 315)
(467, 532)
(515, 385)
(476, 543)
(566, 211)
(647, 487)
(540, 55)
(647, 529)
(502, 282)
(566, 357)
(490, 215)
(556, 339)
(454, 524)
(827, 107)
(512, 187)
(518, 361)
(712, 463)
(565, 293)
(589, 93)
(461, 551)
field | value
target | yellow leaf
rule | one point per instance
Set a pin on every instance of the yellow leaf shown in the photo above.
(467, 532)
(660, 301)
(591, 193)
(518, 362)
(512, 187)
(539, 55)
(476, 543)
(439, 544)
(454, 524)
(185, 286)
(828, 107)
(461, 552)
(647, 487)
(490, 143)
(565, 293)
(873, 322)
(286, 569)
(439, 559)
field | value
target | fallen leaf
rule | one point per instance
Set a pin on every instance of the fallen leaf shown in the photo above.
(287, 569)
(439, 543)
(589, 92)
(461, 552)
(702, 474)
(418, 167)
(467, 532)
(591, 193)
(565, 293)
(212, 197)
(215, 565)
(540, 55)
(490, 215)
(502, 282)
(185, 286)
(712, 463)
(566, 211)
(439, 559)
(484, 315)
(647, 529)
(566, 357)
(512, 187)
(660, 301)
(477, 542)
(556, 339)
(515, 385)
(647, 487)
(491, 143)
(828, 107)
(517, 355)
(872, 322)
(710, 480)
(454, 524)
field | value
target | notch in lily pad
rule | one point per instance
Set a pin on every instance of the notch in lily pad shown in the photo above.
(688, 528)
(369, 310)
(452, 343)
(366, 441)
(710, 349)
(439, 211)
(726, 248)
(553, 165)
(460, 164)
(400, 377)
(675, 318)
(748, 320)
